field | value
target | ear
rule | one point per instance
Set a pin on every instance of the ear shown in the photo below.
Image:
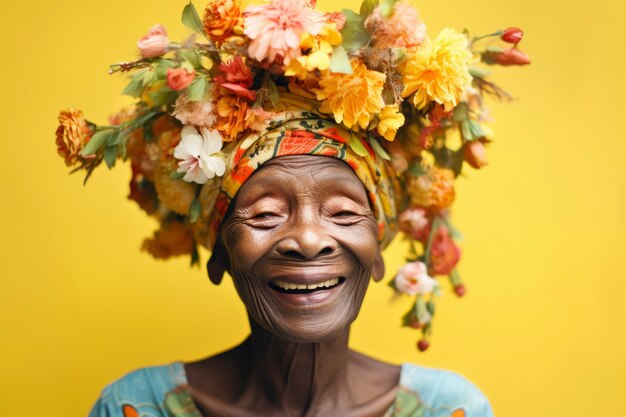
(378, 271)
(218, 263)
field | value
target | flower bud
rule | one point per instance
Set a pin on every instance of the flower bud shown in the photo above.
(475, 155)
(179, 79)
(422, 345)
(154, 43)
(511, 56)
(512, 35)
(460, 290)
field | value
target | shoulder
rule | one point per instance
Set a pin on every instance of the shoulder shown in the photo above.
(141, 392)
(445, 393)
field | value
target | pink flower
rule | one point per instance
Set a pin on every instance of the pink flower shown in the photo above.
(414, 222)
(257, 118)
(402, 29)
(413, 279)
(197, 113)
(275, 29)
(154, 43)
(178, 79)
(337, 18)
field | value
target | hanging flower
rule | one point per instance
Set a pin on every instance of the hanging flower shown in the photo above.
(275, 29)
(511, 56)
(72, 135)
(433, 190)
(196, 151)
(413, 279)
(437, 71)
(390, 120)
(223, 19)
(352, 98)
(402, 29)
(444, 254)
(155, 43)
(475, 154)
(174, 238)
(414, 222)
(197, 113)
(512, 35)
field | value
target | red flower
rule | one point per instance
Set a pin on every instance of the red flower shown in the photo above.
(237, 78)
(511, 56)
(512, 35)
(444, 253)
(475, 155)
(179, 79)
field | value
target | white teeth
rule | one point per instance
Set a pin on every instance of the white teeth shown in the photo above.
(291, 286)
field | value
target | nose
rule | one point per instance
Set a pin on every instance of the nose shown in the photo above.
(307, 241)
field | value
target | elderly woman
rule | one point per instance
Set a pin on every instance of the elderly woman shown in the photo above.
(294, 145)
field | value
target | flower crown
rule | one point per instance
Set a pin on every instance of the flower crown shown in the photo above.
(417, 101)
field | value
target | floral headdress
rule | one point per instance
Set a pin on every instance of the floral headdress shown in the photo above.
(413, 103)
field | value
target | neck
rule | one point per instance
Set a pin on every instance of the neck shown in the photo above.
(299, 377)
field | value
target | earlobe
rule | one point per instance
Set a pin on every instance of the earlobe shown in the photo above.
(218, 263)
(378, 271)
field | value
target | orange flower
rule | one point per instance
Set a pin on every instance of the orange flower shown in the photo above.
(173, 238)
(176, 195)
(475, 154)
(352, 98)
(433, 190)
(445, 254)
(72, 135)
(231, 120)
(223, 19)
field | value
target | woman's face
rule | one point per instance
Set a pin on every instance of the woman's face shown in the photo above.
(302, 244)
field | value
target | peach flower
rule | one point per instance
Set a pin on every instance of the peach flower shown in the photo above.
(433, 190)
(414, 222)
(154, 43)
(402, 29)
(223, 19)
(178, 79)
(197, 113)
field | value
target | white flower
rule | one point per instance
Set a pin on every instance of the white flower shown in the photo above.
(196, 152)
(413, 279)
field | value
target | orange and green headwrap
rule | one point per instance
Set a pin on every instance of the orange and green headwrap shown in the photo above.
(307, 133)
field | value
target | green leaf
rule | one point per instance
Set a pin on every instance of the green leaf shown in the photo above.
(339, 61)
(416, 169)
(460, 112)
(455, 278)
(272, 90)
(97, 140)
(191, 56)
(475, 128)
(354, 34)
(163, 66)
(430, 306)
(197, 89)
(379, 149)
(134, 88)
(494, 49)
(367, 7)
(191, 19)
(149, 77)
(466, 131)
(357, 146)
(177, 175)
(194, 210)
(386, 7)
(478, 72)
(110, 156)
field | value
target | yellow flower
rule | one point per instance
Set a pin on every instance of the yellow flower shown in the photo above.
(352, 98)
(433, 190)
(390, 120)
(437, 71)
(72, 135)
(319, 48)
(231, 120)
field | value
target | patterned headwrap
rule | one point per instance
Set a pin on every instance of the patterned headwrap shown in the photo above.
(307, 133)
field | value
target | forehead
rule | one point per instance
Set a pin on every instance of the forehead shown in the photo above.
(305, 173)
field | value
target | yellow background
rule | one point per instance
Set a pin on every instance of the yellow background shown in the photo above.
(541, 330)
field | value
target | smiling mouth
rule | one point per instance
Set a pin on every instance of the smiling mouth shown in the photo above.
(293, 288)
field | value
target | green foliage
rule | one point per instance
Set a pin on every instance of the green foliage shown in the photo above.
(339, 61)
(354, 34)
(135, 87)
(191, 19)
(163, 66)
(380, 151)
(110, 156)
(194, 210)
(272, 90)
(96, 142)
(356, 145)
(191, 56)
(197, 89)
(386, 7)
(367, 7)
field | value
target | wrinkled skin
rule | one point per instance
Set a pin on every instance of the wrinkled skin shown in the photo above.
(297, 220)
